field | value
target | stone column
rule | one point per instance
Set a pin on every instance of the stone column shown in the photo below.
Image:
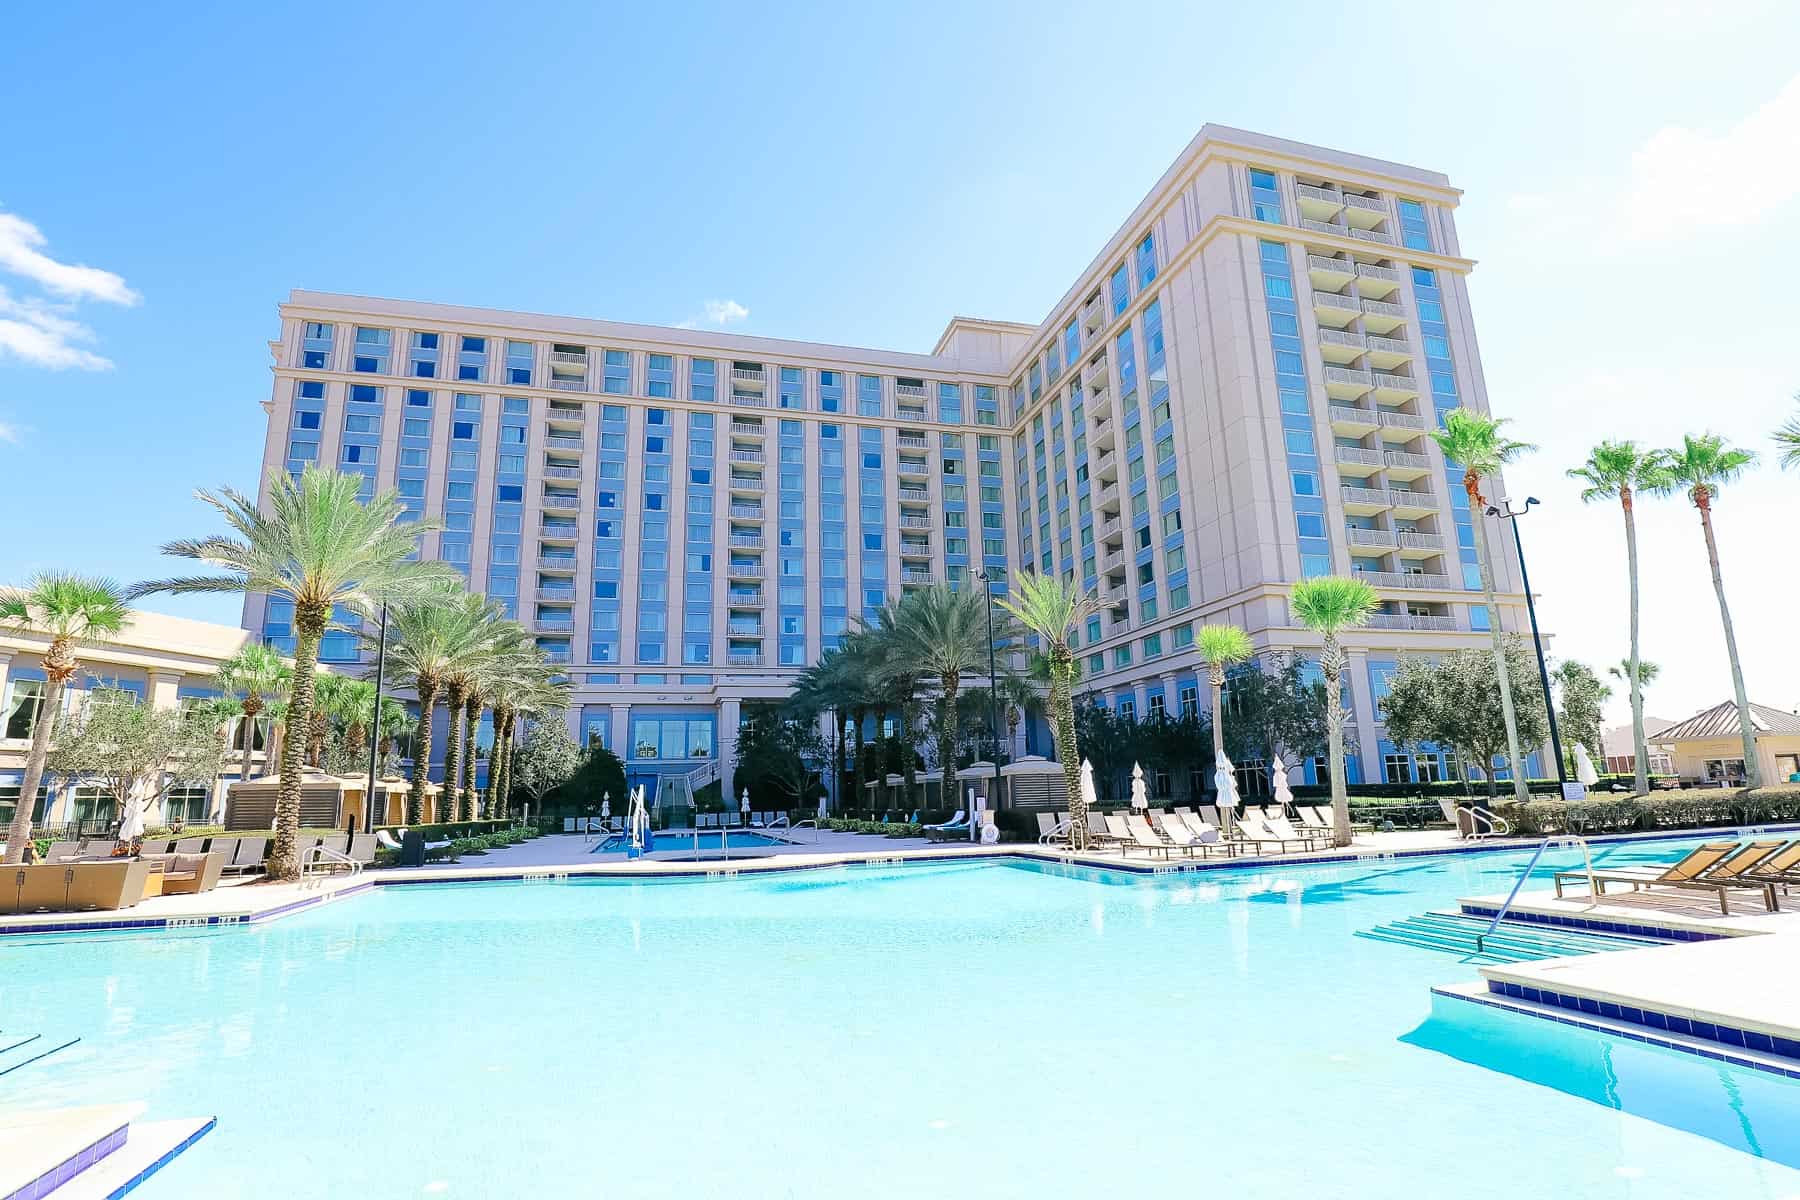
(725, 746)
(1362, 703)
(618, 740)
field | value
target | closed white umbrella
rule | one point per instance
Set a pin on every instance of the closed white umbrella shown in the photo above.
(1584, 766)
(744, 806)
(132, 827)
(1225, 780)
(1089, 798)
(1284, 795)
(1140, 798)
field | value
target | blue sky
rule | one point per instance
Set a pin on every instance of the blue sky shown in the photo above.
(857, 173)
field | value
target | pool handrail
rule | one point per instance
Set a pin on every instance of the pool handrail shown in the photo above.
(1587, 855)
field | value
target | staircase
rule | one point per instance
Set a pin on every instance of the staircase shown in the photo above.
(19, 1050)
(1470, 939)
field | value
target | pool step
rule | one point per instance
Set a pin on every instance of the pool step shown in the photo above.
(22, 1049)
(1510, 941)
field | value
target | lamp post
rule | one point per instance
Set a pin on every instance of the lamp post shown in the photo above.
(1506, 512)
(375, 723)
(987, 591)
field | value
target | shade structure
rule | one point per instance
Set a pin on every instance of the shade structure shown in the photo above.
(1584, 766)
(1284, 795)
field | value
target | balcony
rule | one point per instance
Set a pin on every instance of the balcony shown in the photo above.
(1109, 495)
(1431, 621)
(1347, 383)
(1394, 389)
(914, 493)
(555, 471)
(1387, 352)
(1420, 545)
(916, 575)
(1373, 235)
(1113, 562)
(1382, 316)
(1363, 213)
(1386, 620)
(750, 400)
(1112, 528)
(568, 358)
(1317, 203)
(1416, 502)
(909, 412)
(743, 660)
(554, 624)
(744, 599)
(1401, 464)
(748, 377)
(1375, 281)
(746, 541)
(1117, 596)
(564, 383)
(1106, 431)
(912, 441)
(914, 467)
(552, 530)
(556, 654)
(1347, 421)
(562, 501)
(746, 483)
(1106, 466)
(915, 549)
(1404, 579)
(747, 428)
(1340, 346)
(1401, 427)
(555, 592)
(910, 391)
(911, 522)
(1322, 227)
(1354, 461)
(1093, 318)
(557, 442)
(1328, 272)
(1095, 376)
(745, 570)
(746, 512)
(1379, 538)
(562, 412)
(747, 456)
(1335, 310)
(1364, 501)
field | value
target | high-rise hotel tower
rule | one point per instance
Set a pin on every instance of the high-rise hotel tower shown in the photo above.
(1237, 393)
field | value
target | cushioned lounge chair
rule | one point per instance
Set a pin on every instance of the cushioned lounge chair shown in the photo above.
(189, 845)
(1134, 833)
(1282, 828)
(1718, 867)
(249, 857)
(154, 846)
(1252, 828)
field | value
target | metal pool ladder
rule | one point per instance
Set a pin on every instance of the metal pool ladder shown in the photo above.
(1587, 856)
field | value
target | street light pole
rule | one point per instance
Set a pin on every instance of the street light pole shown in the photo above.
(987, 591)
(375, 722)
(1509, 513)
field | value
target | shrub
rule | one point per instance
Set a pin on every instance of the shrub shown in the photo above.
(1684, 808)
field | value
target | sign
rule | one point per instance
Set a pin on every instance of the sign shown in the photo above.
(1574, 789)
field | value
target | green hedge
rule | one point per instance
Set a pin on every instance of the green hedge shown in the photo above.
(882, 828)
(1686, 808)
(450, 829)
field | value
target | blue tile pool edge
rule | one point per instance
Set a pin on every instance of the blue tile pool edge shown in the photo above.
(70, 1167)
(1593, 924)
(716, 870)
(164, 1159)
(1684, 1043)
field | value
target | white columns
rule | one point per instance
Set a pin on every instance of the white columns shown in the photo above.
(725, 746)
(1368, 742)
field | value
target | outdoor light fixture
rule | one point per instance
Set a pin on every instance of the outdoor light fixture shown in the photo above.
(1506, 512)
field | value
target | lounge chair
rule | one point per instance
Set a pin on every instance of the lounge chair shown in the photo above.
(956, 820)
(1182, 838)
(249, 857)
(188, 874)
(99, 847)
(1781, 869)
(1046, 823)
(337, 843)
(1716, 867)
(955, 825)
(228, 845)
(189, 845)
(1207, 835)
(153, 846)
(1210, 813)
(1281, 827)
(61, 851)
(1310, 818)
(1253, 828)
(1098, 832)
(1134, 833)
(362, 848)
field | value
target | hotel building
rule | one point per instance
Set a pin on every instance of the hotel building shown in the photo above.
(1236, 394)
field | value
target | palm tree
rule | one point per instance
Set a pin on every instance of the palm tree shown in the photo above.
(1327, 605)
(319, 547)
(356, 709)
(899, 679)
(425, 638)
(945, 632)
(1619, 469)
(1702, 466)
(1222, 646)
(534, 689)
(71, 611)
(1646, 672)
(1053, 609)
(329, 702)
(1788, 439)
(255, 672)
(482, 623)
(1479, 445)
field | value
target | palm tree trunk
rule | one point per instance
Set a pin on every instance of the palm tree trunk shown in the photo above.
(1331, 662)
(19, 834)
(272, 750)
(1062, 710)
(447, 803)
(1478, 521)
(309, 627)
(1641, 761)
(857, 765)
(471, 726)
(947, 743)
(1215, 680)
(1752, 770)
(421, 772)
(251, 708)
(909, 760)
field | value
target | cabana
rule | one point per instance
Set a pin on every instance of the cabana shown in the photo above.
(326, 802)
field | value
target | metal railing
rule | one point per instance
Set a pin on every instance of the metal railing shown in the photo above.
(1587, 856)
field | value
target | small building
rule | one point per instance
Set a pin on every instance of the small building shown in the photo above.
(326, 802)
(1708, 747)
(1621, 749)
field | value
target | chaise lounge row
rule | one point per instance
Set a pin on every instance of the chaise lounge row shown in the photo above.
(1717, 867)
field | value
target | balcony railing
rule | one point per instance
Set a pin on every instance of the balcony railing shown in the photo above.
(554, 472)
(915, 549)
(1367, 203)
(745, 400)
(568, 358)
(1377, 272)
(744, 660)
(1348, 376)
(569, 385)
(747, 456)
(1322, 227)
(912, 467)
(1111, 528)
(1344, 414)
(1412, 497)
(748, 428)
(1403, 579)
(1307, 191)
(745, 571)
(553, 442)
(1421, 541)
(1109, 494)
(1431, 621)
(552, 592)
(915, 493)
(1400, 420)
(562, 503)
(1389, 345)
(909, 391)
(911, 575)
(747, 512)
(747, 541)
(1401, 458)
(1396, 383)
(1357, 455)
(1368, 537)
(1340, 337)
(909, 412)
(1382, 620)
(1364, 495)
(915, 522)
(554, 624)
(1383, 308)
(747, 375)
(744, 599)
(1114, 561)
(912, 441)
(555, 656)
(1333, 300)
(1372, 235)
(1328, 265)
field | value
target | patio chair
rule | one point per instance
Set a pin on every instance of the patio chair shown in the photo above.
(98, 847)
(227, 844)
(249, 857)
(568, 824)
(1210, 813)
(1046, 823)
(1310, 818)
(1178, 834)
(1208, 836)
(1781, 869)
(952, 827)
(59, 851)
(1135, 834)
(153, 846)
(189, 845)
(362, 848)
(1098, 831)
(1252, 827)
(1282, 828)
(1716, 867)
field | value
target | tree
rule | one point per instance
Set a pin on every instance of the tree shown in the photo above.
(1702, 466)
(1327, 605)
(254, 673)
(71, 611)
(774, 755)
(1053, 609)
(1646, 673)
(1620, 469)
(1223, 647)
(1456, 702)
(945, 633)
(425, 637)
(1275, 712)
(535, 690)
(1479, 445)
(133, 752)
(599, 779)
(547, 759)
(900, 679)
(320, 547)
(1583, 697)
(1787, 438)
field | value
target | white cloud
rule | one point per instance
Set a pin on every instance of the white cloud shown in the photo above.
(20, 254)
(9, 433)
(724, 312)
(40, 334)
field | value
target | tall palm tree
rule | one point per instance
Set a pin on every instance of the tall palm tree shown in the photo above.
(945, 632)
(356, 710)
(482, 623)
(71, 611)
(1327, 605)
(1618, 470)
(425, 638)
(899, 679)
(1223, 647)
(534, 689)
(1702, 466)
(329, 703)
(1479, 446)
(1053, 609)
(1787, 438)
(1646, 672)
(256, 672)
(317, 545)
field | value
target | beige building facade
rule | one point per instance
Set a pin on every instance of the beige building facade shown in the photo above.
(1237, 393)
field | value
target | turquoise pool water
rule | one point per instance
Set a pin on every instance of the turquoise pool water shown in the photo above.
(965, 1029)
(704, 842)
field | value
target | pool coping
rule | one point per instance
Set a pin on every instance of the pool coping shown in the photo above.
(663, 869)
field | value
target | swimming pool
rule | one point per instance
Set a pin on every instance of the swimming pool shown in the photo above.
(957, 1029)
(703, 842)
